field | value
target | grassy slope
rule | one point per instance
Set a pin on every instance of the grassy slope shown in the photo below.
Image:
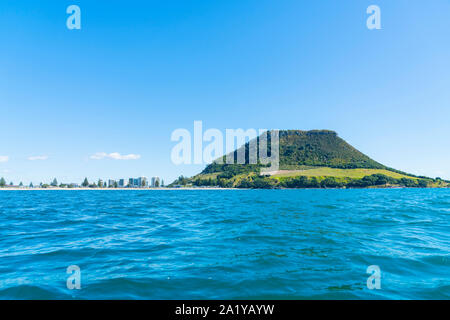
(322, 172)
(342, 173)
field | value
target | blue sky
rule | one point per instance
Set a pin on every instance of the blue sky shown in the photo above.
(138, 70)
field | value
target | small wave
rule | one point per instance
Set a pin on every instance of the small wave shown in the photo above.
(30, 292)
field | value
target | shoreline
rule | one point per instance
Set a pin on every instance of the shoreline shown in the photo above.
(112, 189)
(202, 188)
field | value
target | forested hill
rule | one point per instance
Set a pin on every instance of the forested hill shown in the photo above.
(308, 159)
(321, 148)
(316, 148)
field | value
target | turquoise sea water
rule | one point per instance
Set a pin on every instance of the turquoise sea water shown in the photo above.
(225, 244)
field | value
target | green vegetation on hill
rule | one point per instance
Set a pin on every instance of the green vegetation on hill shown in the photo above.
(309, 159)
(340, 173)
(257, 181)
(299, 149)
(321, 148)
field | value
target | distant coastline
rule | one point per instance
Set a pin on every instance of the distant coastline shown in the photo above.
(207, 188)
(114, 189)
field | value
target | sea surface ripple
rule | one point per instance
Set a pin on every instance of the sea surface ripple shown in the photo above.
(225, 244)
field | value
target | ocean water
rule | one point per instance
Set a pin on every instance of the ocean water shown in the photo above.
(225, 244)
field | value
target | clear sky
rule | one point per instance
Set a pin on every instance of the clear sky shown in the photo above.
(138, 70)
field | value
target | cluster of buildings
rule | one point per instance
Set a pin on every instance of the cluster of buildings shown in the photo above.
(141, 182)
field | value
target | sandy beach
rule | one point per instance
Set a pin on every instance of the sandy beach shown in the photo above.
(113, 189)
